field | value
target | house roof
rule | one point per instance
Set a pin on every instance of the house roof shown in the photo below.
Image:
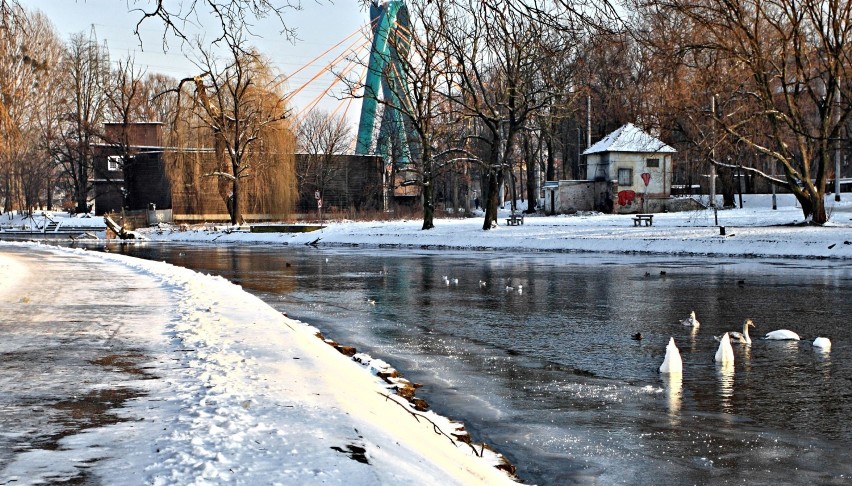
(629, 138)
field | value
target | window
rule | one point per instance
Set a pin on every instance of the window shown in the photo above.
(625, 177)
(114, 162)
(652, 163)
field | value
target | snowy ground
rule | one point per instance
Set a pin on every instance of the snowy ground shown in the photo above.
(242, 395)
(754, 231)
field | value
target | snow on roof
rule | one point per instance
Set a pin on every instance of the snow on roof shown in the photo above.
(629, 138)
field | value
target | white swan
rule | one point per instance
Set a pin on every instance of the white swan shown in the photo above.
(738, 337)
(822, 343)
(725, 353)
(691, 320)
(672, 363)
(782, 334)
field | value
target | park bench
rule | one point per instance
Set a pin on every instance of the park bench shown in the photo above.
(648, 219)
(515, 219)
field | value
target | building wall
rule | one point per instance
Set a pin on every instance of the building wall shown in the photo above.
(568, 197)
(149, 134)
(351, 182)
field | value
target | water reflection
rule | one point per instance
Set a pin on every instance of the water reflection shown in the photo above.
(725, 374)
(673, 383)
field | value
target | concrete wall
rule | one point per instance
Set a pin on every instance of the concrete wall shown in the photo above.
(568, 197)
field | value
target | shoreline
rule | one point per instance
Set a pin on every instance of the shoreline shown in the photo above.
(227, 350)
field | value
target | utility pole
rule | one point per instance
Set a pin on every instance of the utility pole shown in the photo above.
(837, 151)
(713, 154)
(588, 121)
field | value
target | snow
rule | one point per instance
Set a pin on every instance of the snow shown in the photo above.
(16, 220)
(629, 138)
(247, 396)
(754, 231)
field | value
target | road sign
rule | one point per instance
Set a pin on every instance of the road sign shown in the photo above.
(646, 177)
(317, 195)
(319, 203)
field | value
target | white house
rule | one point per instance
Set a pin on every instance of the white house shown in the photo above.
(637, 166)
(628, 171)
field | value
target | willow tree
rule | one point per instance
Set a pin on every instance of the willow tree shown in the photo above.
(242, 118)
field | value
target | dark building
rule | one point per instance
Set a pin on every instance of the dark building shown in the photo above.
(128, 169)
(345, 182)
(130, 174)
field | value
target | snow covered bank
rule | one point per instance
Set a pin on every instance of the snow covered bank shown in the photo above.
(11, 272)
(245, 395)
(755, 231)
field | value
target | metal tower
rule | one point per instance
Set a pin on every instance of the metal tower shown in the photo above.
(391, 39)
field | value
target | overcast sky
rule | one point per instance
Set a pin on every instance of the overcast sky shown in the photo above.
(320, 26)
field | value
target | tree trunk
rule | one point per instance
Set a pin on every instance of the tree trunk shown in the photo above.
(236, 217)
(727, 186)
(813, 206)
(428, 203)
(490, 201)
(532, 186)
(80, 190)
(551, 160)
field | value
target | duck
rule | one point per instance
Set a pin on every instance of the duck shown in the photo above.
(782, 335)
(637, 336)
(822, 343)
(672, 364)
(725, 353)
(482, 283)
(736, 337)
(691, 320)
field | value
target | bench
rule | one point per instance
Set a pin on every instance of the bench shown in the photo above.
(515, 219)
(648, 219)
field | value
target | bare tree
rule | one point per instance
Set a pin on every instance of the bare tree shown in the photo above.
(321, 138)
(29, 53)
(228, 15)
(86, 68)
(496, 59)
(793, 99)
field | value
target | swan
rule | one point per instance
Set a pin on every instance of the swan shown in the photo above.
(822, 343)
(725, 353)
(738, 337)
(782, 334)
(691, 320)
(672, 363)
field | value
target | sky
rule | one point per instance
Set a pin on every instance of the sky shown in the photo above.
(320, 25)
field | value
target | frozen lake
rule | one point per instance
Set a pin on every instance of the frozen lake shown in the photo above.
(547, 371)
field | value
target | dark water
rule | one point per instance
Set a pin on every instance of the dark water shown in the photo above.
(551, 376)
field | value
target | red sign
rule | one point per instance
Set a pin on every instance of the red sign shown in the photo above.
(646, 177)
